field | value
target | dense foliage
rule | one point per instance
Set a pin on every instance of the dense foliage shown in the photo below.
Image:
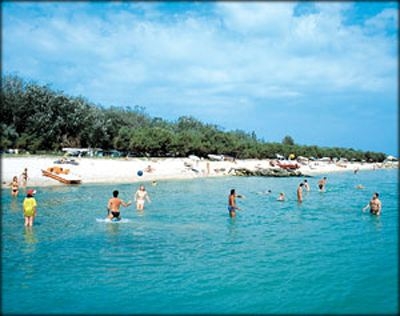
(36, 118)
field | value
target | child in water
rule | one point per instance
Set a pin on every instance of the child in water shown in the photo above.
(29, 207)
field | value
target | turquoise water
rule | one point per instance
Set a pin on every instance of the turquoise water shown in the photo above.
(183, 254)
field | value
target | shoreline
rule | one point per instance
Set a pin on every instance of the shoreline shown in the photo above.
(125, 170)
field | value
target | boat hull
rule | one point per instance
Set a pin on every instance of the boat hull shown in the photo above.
(61, 178)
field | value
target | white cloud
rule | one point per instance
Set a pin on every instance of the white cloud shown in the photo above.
(196, 50)
(387, 19)
(251, 18)
(237, 56)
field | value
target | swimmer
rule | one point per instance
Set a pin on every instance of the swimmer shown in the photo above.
(114, 204)
(306, 185)
(281, 197)
(266, 192)
(232, 207)
(24, 177)
(14, 186)
(140, 197)
(300, 192)
(374, 205)
(321, 184)
(360, 187)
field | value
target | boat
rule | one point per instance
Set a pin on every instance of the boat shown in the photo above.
(285, 164)
(215, 157)
(61, 175)
(194, 157)
(67, 161)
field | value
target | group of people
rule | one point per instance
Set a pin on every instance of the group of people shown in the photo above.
(29, 205)
(299, 192)
(15, 182)
(114, 203)
(374, 204)
(141, 195)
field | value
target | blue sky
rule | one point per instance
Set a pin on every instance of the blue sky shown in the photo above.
(324, 73)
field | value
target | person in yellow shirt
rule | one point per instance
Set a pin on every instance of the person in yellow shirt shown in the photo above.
(29, 207)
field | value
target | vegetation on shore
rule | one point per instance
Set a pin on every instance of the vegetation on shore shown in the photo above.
(36, 118)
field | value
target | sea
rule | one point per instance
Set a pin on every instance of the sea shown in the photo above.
(184, 255)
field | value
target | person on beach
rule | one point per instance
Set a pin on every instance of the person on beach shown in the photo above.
(281, 197)
(114, 204)
(300, 192)
(140, 197)
(322, 184)
(374, 205)
(306, 185)
(14, 186)
(24, 177)
(232, 207)
(29, 207)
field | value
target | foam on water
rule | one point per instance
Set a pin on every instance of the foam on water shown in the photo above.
(107, 220)
(183, 254)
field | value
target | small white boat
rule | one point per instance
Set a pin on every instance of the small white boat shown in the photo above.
(216, 157)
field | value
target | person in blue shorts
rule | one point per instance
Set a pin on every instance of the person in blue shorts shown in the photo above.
(232, 207)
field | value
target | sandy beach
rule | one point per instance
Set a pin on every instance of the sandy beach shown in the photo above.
(125, 170)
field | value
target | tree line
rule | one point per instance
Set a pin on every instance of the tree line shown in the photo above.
(36, 118)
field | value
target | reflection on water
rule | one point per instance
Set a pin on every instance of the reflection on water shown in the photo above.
(30, 240)
(29, 235)
(113, 228)
(232, 227)
(14, 205)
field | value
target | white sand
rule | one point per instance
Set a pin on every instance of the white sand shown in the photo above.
(124, 170)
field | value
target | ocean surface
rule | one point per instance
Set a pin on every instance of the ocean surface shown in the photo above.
(183, 254)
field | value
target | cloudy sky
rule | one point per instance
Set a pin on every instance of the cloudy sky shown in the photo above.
(324, 73)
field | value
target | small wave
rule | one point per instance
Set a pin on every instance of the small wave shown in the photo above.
(107, 220)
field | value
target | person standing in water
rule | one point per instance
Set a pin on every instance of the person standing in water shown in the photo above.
(300, 192)
(374, 205)
(14, 186)
(321, 184)
(306, 185)
(232, 207)
(24, 177)
(29, 207)
(140, 197)
(114, 204)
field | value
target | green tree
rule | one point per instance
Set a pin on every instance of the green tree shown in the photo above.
(288, 140)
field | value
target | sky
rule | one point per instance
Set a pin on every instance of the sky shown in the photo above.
(324, 73)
